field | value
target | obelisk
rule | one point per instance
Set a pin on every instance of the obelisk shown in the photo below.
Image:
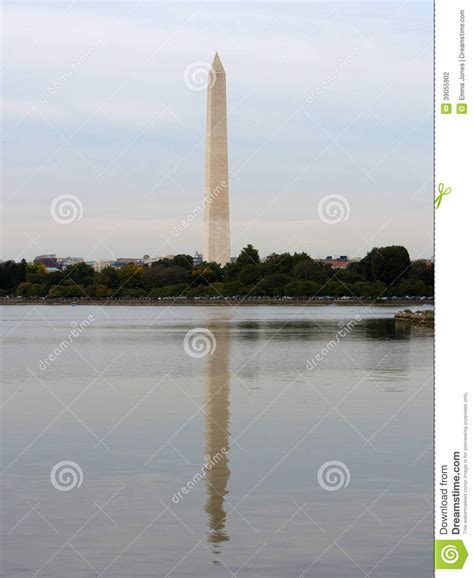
(216, 195)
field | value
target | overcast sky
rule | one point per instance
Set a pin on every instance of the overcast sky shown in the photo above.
(323, 99)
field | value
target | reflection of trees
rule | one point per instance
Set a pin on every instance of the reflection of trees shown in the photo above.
(386, 329)
(263, 330)
(390, 373)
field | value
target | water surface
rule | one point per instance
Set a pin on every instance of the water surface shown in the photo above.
(279, 397)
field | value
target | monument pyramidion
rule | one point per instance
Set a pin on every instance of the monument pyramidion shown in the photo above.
(216, 195)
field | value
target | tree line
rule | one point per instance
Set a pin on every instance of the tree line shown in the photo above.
(383, 272)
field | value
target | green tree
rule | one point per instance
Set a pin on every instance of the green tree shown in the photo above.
(110, 277)
(249, 274)
(168, 291)
(272, 285)
(159, 276)
(301, 289)
(386, 264)
(312, 271)
(276, 263)
(233, 288)
(80, 273)
(66, 291)
(248, 256)
(12, 274)
(36, 273)
(184, 261)
(423, 271)
(133, 292)
(335, 288)
(362, 289)
(130, 277)
(207, 273)
(412, 287)
(27, 289)
(103, 292)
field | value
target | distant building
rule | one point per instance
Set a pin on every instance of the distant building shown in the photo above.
(99, 265)
(197, 259)
(116, 263)
(338, 262)
(147, 260)
(123, 261)
(66, 261)
(51, 262)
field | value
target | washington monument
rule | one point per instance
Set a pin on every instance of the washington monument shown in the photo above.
(216, 194)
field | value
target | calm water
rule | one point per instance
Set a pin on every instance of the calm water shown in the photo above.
(127, 403)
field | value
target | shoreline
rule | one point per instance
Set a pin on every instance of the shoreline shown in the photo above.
(415, 317)
(215, 303)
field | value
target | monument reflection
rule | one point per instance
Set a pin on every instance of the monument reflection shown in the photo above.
(217, 415)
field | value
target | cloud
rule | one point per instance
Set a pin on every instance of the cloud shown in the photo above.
(96, 105)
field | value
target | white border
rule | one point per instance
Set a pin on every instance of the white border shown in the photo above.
(454, 166)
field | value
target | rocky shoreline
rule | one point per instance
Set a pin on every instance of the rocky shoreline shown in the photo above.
(415, 317)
